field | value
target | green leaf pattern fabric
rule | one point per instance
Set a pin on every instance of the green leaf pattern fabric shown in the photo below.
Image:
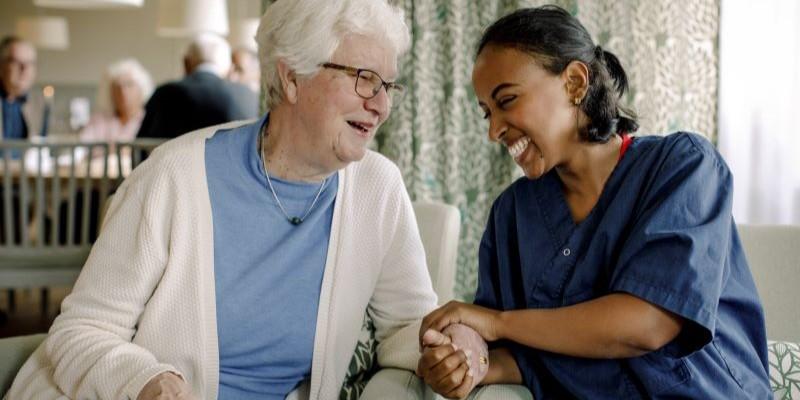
(784, 370)
(364, 363)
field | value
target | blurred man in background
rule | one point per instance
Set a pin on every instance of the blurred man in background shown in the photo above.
(24, 114)
(245, 69)
(202, 98)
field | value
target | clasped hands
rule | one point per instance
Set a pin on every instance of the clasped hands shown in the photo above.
(455, 356)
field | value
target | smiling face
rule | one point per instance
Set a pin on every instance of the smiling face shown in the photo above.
(529, 108)
(338, 123)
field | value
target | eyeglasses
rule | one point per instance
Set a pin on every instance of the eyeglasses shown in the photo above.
(369, 83)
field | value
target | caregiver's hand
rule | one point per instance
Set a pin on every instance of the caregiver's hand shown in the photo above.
(483, 320)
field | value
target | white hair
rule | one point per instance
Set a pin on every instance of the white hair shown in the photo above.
(305, 33)
(211, 49)
(116, 70)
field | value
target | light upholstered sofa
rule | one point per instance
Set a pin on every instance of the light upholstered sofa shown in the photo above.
(13, 353)
(773, 253)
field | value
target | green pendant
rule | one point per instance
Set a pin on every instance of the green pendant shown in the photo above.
(295, 220)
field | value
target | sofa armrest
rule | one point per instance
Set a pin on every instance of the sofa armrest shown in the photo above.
(14, 351)
(396, 384)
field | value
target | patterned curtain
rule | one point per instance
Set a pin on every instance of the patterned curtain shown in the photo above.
(438, 138)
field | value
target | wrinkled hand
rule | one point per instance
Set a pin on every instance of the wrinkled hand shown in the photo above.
(166, 386)
(474, 347)
(482, 320)
(445, 367)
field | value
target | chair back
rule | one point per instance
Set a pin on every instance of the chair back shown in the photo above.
(51, 198)
(439, 227)
(128, 155)
(773, 253)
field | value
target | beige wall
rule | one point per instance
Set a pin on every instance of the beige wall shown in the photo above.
(99, 37)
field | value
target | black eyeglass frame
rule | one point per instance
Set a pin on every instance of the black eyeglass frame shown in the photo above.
(356, 72)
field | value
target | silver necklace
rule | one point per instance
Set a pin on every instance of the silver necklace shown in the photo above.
(293, 220)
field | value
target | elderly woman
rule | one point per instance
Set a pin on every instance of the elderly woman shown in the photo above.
(613, 269)
(237, 262)
(121, 97)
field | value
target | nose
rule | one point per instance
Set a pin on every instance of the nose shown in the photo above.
(380, 104)
(497, 129)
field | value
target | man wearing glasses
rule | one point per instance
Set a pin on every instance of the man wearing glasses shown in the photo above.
(23, 115)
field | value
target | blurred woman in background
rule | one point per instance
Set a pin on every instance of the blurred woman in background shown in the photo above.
(121, 97)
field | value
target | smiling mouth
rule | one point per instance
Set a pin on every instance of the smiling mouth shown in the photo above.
(364, 130)
(358, 126)
(516, 149)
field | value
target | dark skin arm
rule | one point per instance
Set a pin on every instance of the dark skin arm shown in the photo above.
(617, 325)
(502, 368)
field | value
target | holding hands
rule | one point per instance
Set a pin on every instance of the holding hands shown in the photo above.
(451, 361)
(455, 356)
(485, 321)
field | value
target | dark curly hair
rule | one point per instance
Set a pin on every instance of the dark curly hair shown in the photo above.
(555, 38)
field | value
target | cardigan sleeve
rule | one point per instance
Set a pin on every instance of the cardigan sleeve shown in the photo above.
(404, 293)
(90, 343)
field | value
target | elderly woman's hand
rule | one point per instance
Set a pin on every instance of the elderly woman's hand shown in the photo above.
(445, 367)
(483, 320)
(166, 386)
(454, 361)
(475, 348)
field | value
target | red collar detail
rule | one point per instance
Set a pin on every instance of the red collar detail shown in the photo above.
(626, 142)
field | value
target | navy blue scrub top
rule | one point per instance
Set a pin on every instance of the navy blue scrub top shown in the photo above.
(662, 230)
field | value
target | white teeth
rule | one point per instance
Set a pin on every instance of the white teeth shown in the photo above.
(518, 147)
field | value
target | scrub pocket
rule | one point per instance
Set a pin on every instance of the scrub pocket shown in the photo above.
(660, 372)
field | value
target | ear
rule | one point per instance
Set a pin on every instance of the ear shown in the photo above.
(576, 76)
(188, 68)
(288, 82)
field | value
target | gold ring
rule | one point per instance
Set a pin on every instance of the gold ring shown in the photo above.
(483, 360)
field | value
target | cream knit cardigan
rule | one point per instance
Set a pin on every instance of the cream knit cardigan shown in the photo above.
(145, 303)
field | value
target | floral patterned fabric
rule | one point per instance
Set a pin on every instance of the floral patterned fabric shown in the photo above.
(784, 370)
